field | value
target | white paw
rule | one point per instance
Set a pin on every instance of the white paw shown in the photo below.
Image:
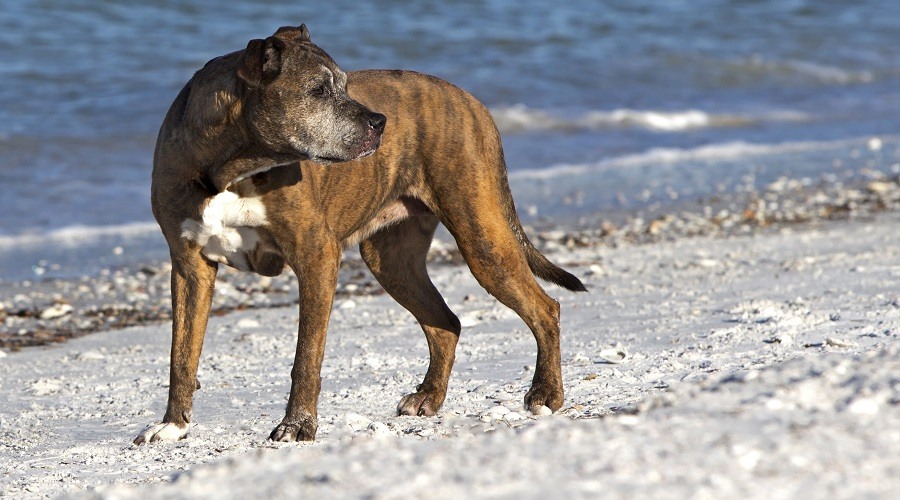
(161, 432)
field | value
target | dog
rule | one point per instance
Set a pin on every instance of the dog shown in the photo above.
(272, 158)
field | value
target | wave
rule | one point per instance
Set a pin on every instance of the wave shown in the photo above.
(756, 66)
(78, 234)
(713, 152)
(520, 118)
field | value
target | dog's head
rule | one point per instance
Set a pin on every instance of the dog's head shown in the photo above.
(296, 100)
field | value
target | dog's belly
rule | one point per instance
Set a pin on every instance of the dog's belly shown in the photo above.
(396, 211)
(228, 229)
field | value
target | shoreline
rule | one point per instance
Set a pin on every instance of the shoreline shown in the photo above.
(49, 311)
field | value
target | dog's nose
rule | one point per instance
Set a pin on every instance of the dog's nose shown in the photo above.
(377, 121)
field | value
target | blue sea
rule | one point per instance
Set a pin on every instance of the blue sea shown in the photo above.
(604, 106)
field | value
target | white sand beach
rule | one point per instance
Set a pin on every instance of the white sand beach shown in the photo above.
(757, 366)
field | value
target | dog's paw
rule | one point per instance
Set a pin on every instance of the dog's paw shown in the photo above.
(543, 394)
(287, 432)
(161, 432)
(421, 403)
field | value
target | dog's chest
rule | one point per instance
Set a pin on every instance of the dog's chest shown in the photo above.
(227, 230)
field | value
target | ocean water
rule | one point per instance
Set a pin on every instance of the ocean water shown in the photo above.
(603, 106)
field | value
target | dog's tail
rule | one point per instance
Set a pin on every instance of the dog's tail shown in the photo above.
(546, 270)
(539, 264)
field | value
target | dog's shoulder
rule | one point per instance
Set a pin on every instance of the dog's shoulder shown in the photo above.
(213, 94)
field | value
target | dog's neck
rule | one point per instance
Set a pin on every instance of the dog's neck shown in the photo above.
(245, 160)
(246, 164)
(224, 152)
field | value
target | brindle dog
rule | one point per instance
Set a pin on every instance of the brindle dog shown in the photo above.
(267, 159)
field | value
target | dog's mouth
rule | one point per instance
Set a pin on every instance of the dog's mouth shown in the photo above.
(366, 148)
(369, 147)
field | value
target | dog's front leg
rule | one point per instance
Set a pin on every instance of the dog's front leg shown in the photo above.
(193, 280)
(316, 269)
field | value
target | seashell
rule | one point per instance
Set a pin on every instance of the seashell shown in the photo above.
(57, 311)
(614, 355)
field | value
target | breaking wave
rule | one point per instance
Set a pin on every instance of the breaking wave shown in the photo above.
(710, 153)
(520, 118)
(78, 234)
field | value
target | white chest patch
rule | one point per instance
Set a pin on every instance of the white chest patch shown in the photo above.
(227, 229)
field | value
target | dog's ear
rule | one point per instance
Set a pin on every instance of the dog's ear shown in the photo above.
(261, 61)
(294, 33)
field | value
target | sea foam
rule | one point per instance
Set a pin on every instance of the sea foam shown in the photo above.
(520, 118)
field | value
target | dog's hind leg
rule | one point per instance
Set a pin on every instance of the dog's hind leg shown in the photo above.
(396, 256)
(482, 229)
(193, 280)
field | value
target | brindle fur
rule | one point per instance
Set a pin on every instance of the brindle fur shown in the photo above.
(440, 161)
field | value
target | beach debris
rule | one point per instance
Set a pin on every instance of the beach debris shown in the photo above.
(57, 310)
(471, 318)
(379, 429)
(613, 355)
(512, 416)
(784, 339)
(247, 323)
(91, 354)
(494, 413)
(357, 422)
(880, 187)
(836, 342)
(580, 359)
(595, 270)
(863, 406)
(706, 262)
(45, 387)
(424, 432)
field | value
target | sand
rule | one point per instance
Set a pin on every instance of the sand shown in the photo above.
(761, 365)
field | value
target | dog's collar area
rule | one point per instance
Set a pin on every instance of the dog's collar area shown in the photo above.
(248, 175)
(255, 172)
(265, 179)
